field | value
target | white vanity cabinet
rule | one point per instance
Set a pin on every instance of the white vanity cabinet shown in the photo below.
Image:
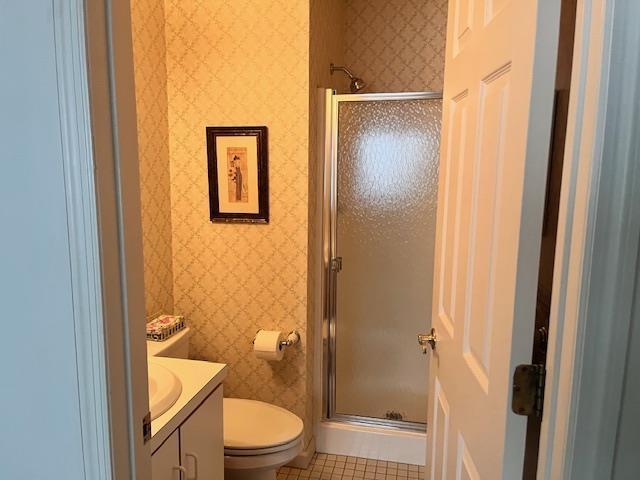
(166, 459)
(195, 450)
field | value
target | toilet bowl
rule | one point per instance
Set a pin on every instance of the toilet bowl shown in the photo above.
(258, 437)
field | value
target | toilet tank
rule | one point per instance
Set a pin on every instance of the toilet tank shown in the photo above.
(176, 346)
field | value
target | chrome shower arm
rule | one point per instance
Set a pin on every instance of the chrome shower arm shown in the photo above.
(357, 84)
(333, 68)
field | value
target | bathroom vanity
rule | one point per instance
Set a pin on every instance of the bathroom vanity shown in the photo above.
(187, 439)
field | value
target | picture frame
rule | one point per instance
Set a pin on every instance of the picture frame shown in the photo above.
(238, 174)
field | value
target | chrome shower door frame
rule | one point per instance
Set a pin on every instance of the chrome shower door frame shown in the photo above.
(332, 102)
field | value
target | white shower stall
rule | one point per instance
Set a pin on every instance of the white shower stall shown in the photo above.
(379, 202)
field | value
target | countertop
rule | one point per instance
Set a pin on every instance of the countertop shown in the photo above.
(198, 379)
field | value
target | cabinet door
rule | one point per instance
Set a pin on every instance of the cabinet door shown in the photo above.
(201, 441)
(165, 460)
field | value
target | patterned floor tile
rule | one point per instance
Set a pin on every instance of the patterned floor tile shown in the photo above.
(340, 467)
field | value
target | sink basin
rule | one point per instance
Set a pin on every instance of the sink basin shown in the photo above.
(164, 389)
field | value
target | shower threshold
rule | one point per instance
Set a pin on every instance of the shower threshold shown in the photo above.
(379, 422)
(367, 440)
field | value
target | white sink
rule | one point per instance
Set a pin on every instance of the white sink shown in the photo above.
(164, 389)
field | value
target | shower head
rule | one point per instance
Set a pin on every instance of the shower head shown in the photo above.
(357, 84)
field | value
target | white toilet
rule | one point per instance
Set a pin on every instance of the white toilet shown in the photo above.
(258, 437)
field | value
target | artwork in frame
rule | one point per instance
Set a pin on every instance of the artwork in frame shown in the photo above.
(238, 174)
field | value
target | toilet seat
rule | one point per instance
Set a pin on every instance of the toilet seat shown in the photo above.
(230, 452)
(244, 452)
(252, 428)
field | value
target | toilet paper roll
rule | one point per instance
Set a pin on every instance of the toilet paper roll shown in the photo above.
(267, 345)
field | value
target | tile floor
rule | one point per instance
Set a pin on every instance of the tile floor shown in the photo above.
(338, 467)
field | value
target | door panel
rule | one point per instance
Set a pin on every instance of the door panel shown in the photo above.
(458, 186)
(484, 227)
(440, 433)
(497, 106)
(462, 24)
(465, 468)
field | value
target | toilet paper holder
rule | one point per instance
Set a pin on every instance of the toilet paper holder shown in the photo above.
(292, 339)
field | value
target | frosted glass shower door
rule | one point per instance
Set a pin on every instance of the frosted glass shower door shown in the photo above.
(387, 174)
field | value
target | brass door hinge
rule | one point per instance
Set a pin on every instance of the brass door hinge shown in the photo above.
(336, 264)
(146, 427)
(528, 390)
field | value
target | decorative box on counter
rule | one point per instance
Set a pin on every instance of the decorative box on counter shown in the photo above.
(164, 327)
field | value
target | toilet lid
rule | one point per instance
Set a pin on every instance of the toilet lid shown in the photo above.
(250, 424)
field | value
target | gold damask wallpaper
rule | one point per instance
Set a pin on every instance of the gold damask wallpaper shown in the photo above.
(255, 62)
(396, 45)
(147, 19)
(241, 62)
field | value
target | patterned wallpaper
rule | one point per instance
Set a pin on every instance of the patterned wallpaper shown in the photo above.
(326, 44)
(396, 45)
(241, 62)
(147, 18)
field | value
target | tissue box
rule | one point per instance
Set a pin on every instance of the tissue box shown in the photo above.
(163, 327)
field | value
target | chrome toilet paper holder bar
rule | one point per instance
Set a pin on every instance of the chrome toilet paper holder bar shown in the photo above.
(292, 339)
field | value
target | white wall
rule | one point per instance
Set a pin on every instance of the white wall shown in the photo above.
(626, 464)
(40, 419)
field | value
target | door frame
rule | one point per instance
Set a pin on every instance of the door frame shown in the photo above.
(82, 212)
(99, 141)
(96, 36)
(597, 245)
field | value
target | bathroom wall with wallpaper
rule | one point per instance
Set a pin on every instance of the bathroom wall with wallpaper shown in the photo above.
(396, 45)
(241, 62)
(252, 62)
(147, 18)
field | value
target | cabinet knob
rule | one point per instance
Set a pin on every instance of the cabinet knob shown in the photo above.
(182, 470)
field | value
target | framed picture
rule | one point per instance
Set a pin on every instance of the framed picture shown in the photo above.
(238, 175)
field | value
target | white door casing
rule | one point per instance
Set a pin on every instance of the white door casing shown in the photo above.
(497, 110)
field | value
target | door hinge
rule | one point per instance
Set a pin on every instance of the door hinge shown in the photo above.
(146, 427)
(336, 264)
(528, 390)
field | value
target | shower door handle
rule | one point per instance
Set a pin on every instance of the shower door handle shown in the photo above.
(429, 339)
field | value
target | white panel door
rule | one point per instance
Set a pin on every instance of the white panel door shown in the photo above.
(201, 440)
(497, 108)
